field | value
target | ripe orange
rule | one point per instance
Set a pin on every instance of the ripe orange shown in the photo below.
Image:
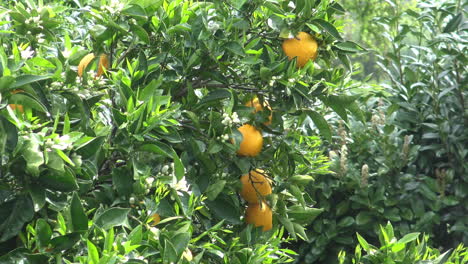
(17, 106)
(103, 64)
(84, 63)
(259, 107)
(304, 47)
(155, 219)
(255, 184)
(86, 60)
(259, 215)
(252, 141)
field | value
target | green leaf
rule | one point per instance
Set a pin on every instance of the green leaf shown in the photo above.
(408, 238)
(354, 108)
(346, 222)
(179, 169)
(65, 242)
(8, 136)
(28, 79)
(326, 26)
(235, 48)
(136, 235)
(63, 181)
(158, 148)
(181, 241)
(215, 189)
(141, 33)
(300, 231)
(112, 217)
(168, 151)
(363, 243)
(135, 10)
(23, 255)
(363, 218)
(170, 253)
(302, 215)
(78, 217)
(149, 91)
(321, 124)
(288, 224)
(349, 46)
(6, 83)
(32, 154)
(54, 162)
(338, 7)
(109, 240)
(93, 255)
(301, 179)
(15, 213)
(237, 3)
(88, 147)
(38, 197)
(453, 24)
(64, 157)
(223, 208)
(445, 256)
(339, 109)
(383, 237)
(122, 179)
(43, 232)
(180, 28)
(215, 95)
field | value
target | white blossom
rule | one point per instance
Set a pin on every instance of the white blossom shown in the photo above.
(27, 53)
(149, 180)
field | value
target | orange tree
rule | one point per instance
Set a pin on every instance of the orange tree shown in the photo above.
(127, 148)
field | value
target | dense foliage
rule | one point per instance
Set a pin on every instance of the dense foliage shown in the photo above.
(137, 163)
(125, 128)
(409, 249)
(407, 163)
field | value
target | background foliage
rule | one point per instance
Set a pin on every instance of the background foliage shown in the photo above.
(407, 164)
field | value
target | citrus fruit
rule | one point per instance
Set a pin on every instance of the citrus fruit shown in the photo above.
(259, 215)
(103, 64)
(84, 63)
(155, 219)
(252, 141)
(17, 106)
(303, 47)
(255, 184)
(255, 103)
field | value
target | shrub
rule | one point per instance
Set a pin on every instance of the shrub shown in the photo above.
(412, 248)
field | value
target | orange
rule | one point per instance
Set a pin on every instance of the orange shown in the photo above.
(103, 64)
(155, 219)
(17, 106)
(252, 141)
(255, 184)
(259, 215)
(303, 47)
(255, 103)
(84, 63)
